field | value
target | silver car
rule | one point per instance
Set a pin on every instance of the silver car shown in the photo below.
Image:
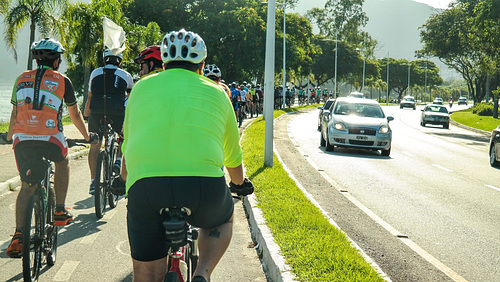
(435, 114)
(356, 123)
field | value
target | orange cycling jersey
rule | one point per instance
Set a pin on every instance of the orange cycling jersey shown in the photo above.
(39, 97)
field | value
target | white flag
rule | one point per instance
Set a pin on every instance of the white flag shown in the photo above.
(114, 36)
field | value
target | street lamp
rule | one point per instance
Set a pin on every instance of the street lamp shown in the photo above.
(284, 53)
(364, 64)
(387, 99)
(336, 48)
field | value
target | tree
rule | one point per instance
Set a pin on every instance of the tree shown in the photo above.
(82, 37)
(39, 14)
(449, 36)
(422, 73)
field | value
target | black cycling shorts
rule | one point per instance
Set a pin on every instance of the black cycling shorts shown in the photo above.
(34, 150)
(208, 198)
(94, 123)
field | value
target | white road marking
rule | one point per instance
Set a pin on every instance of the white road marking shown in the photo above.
(90, 237)
(442, 167)
(492, 187)
(122, 246)
(408, 154)
(4, 244)
(67, 269)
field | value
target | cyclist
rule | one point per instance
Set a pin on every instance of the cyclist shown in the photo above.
(116, 82)
(150, 60)
(235, 98)
(214, 73)
(169, 167)
(37, 131)
(259, 97)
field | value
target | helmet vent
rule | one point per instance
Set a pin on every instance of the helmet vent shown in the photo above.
(173, 51)
(184, 51)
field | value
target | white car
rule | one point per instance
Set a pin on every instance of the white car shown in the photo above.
(356, 123)
(435, 114)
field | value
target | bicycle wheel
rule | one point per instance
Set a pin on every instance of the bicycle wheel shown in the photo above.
(191, 261)
(51, 247)
(112, 198)
(101, 181)
(32, 239)
(240, 117)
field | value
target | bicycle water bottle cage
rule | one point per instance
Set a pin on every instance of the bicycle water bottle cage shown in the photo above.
(33, 171)
(176, 228)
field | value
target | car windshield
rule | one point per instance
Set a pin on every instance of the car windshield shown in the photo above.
(436, 109)
(361, 110)
(409, 99)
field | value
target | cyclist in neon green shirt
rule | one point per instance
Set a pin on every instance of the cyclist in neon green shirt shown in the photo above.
(179, 131)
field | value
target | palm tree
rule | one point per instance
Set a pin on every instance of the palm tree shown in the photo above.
(39, 14)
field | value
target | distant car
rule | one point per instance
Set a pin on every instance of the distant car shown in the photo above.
(356, 123)
(408, 102)
(435, 114)
(325, 106)
(462, 101)
(438, 101)
(495, 147)
(356, 94)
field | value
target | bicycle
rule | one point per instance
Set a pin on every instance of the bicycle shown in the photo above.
(104, 170)
(182, 238)
(39, 229)
(182, 243)
(241, 115)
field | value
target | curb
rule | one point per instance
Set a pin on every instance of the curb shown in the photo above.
(485, 133)
(273, 262)
(15, 182)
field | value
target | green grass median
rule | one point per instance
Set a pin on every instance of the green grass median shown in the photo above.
(315, 250)
(466, 117)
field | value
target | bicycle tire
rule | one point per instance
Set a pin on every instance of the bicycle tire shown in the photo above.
(112, 198)
(171, 277)
(32, 239)
(101, 182)
(51, 227)
(191, 260)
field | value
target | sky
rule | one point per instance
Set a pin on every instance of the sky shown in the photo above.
(442, 4)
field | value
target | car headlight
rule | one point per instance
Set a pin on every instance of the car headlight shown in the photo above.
(339, 126)
(384, 129)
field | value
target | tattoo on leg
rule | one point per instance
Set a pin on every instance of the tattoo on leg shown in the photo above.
(214, 233)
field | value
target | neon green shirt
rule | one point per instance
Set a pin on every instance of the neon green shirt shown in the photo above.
(179, 123)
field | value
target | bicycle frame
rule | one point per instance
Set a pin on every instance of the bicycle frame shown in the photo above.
(182, 242)
(105, 161)
(41, 205)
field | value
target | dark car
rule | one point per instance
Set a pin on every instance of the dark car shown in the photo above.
(462, 101)
(408, 102)
(495, 147)
(435, 114)
(325, 106)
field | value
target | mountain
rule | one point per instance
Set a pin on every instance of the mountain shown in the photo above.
(394, 24)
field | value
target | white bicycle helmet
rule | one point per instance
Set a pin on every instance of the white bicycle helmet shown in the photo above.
(47, 49)
(183, 45)
(212, 70)
(110, 58)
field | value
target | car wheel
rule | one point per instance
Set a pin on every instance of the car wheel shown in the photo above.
(446, 125)
(322, 140)
(422, 123)
(385, 153)
(328, 147)
(414, 108)
(400, 107)
(493, 160)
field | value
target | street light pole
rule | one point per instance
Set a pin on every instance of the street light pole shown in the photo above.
(284, 53)
(409, 65)
(269, 83)
(336, 47)
(387, 100)
(364, 65)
